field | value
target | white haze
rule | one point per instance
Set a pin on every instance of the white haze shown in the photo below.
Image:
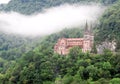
(50, 21)
(4, 1)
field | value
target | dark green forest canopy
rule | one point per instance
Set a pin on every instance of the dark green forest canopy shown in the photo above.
(42, 66)
(33, 61)
(35, 6)
(13, 46)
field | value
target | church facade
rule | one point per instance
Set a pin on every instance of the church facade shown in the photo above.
(63, 45)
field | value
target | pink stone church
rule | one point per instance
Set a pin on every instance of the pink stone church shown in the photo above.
(63, 45)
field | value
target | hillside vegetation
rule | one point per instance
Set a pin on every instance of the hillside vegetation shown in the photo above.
(31, 61)
(43, 66)
(110, 25)
(13, 46)
(35, 6)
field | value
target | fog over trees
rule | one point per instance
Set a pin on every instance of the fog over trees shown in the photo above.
(28, 35)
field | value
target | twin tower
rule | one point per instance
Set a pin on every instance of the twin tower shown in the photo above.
(63, 45)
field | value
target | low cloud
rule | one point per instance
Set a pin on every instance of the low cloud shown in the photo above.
(51, 20)
(4, 1)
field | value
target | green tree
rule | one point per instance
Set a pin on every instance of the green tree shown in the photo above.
(115, 81)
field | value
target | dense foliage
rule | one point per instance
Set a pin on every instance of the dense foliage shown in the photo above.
(110, 25)
(35, 6)
(12, 46)
(25, 61)
(42, 66)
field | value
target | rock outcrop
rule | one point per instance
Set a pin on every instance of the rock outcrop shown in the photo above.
(106, 45)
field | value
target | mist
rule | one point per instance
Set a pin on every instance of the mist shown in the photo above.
(51, 20)
(4, 1)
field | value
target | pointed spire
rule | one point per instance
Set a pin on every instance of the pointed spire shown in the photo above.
(86, 31)
(91, 28)
(86, 26)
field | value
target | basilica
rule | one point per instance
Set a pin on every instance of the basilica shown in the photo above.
(63, 45)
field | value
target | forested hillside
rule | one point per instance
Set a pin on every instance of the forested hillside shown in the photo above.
(13, 46)
(32, 60)
(35, 6)
(110, 25)
(43, 66)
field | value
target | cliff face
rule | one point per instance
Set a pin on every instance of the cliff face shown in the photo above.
(106, 45)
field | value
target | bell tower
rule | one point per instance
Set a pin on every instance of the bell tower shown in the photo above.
(88, 38)
(86, 32)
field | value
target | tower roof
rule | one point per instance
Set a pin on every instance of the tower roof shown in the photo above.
(87, 30)
(86, 26)
(91, 29)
